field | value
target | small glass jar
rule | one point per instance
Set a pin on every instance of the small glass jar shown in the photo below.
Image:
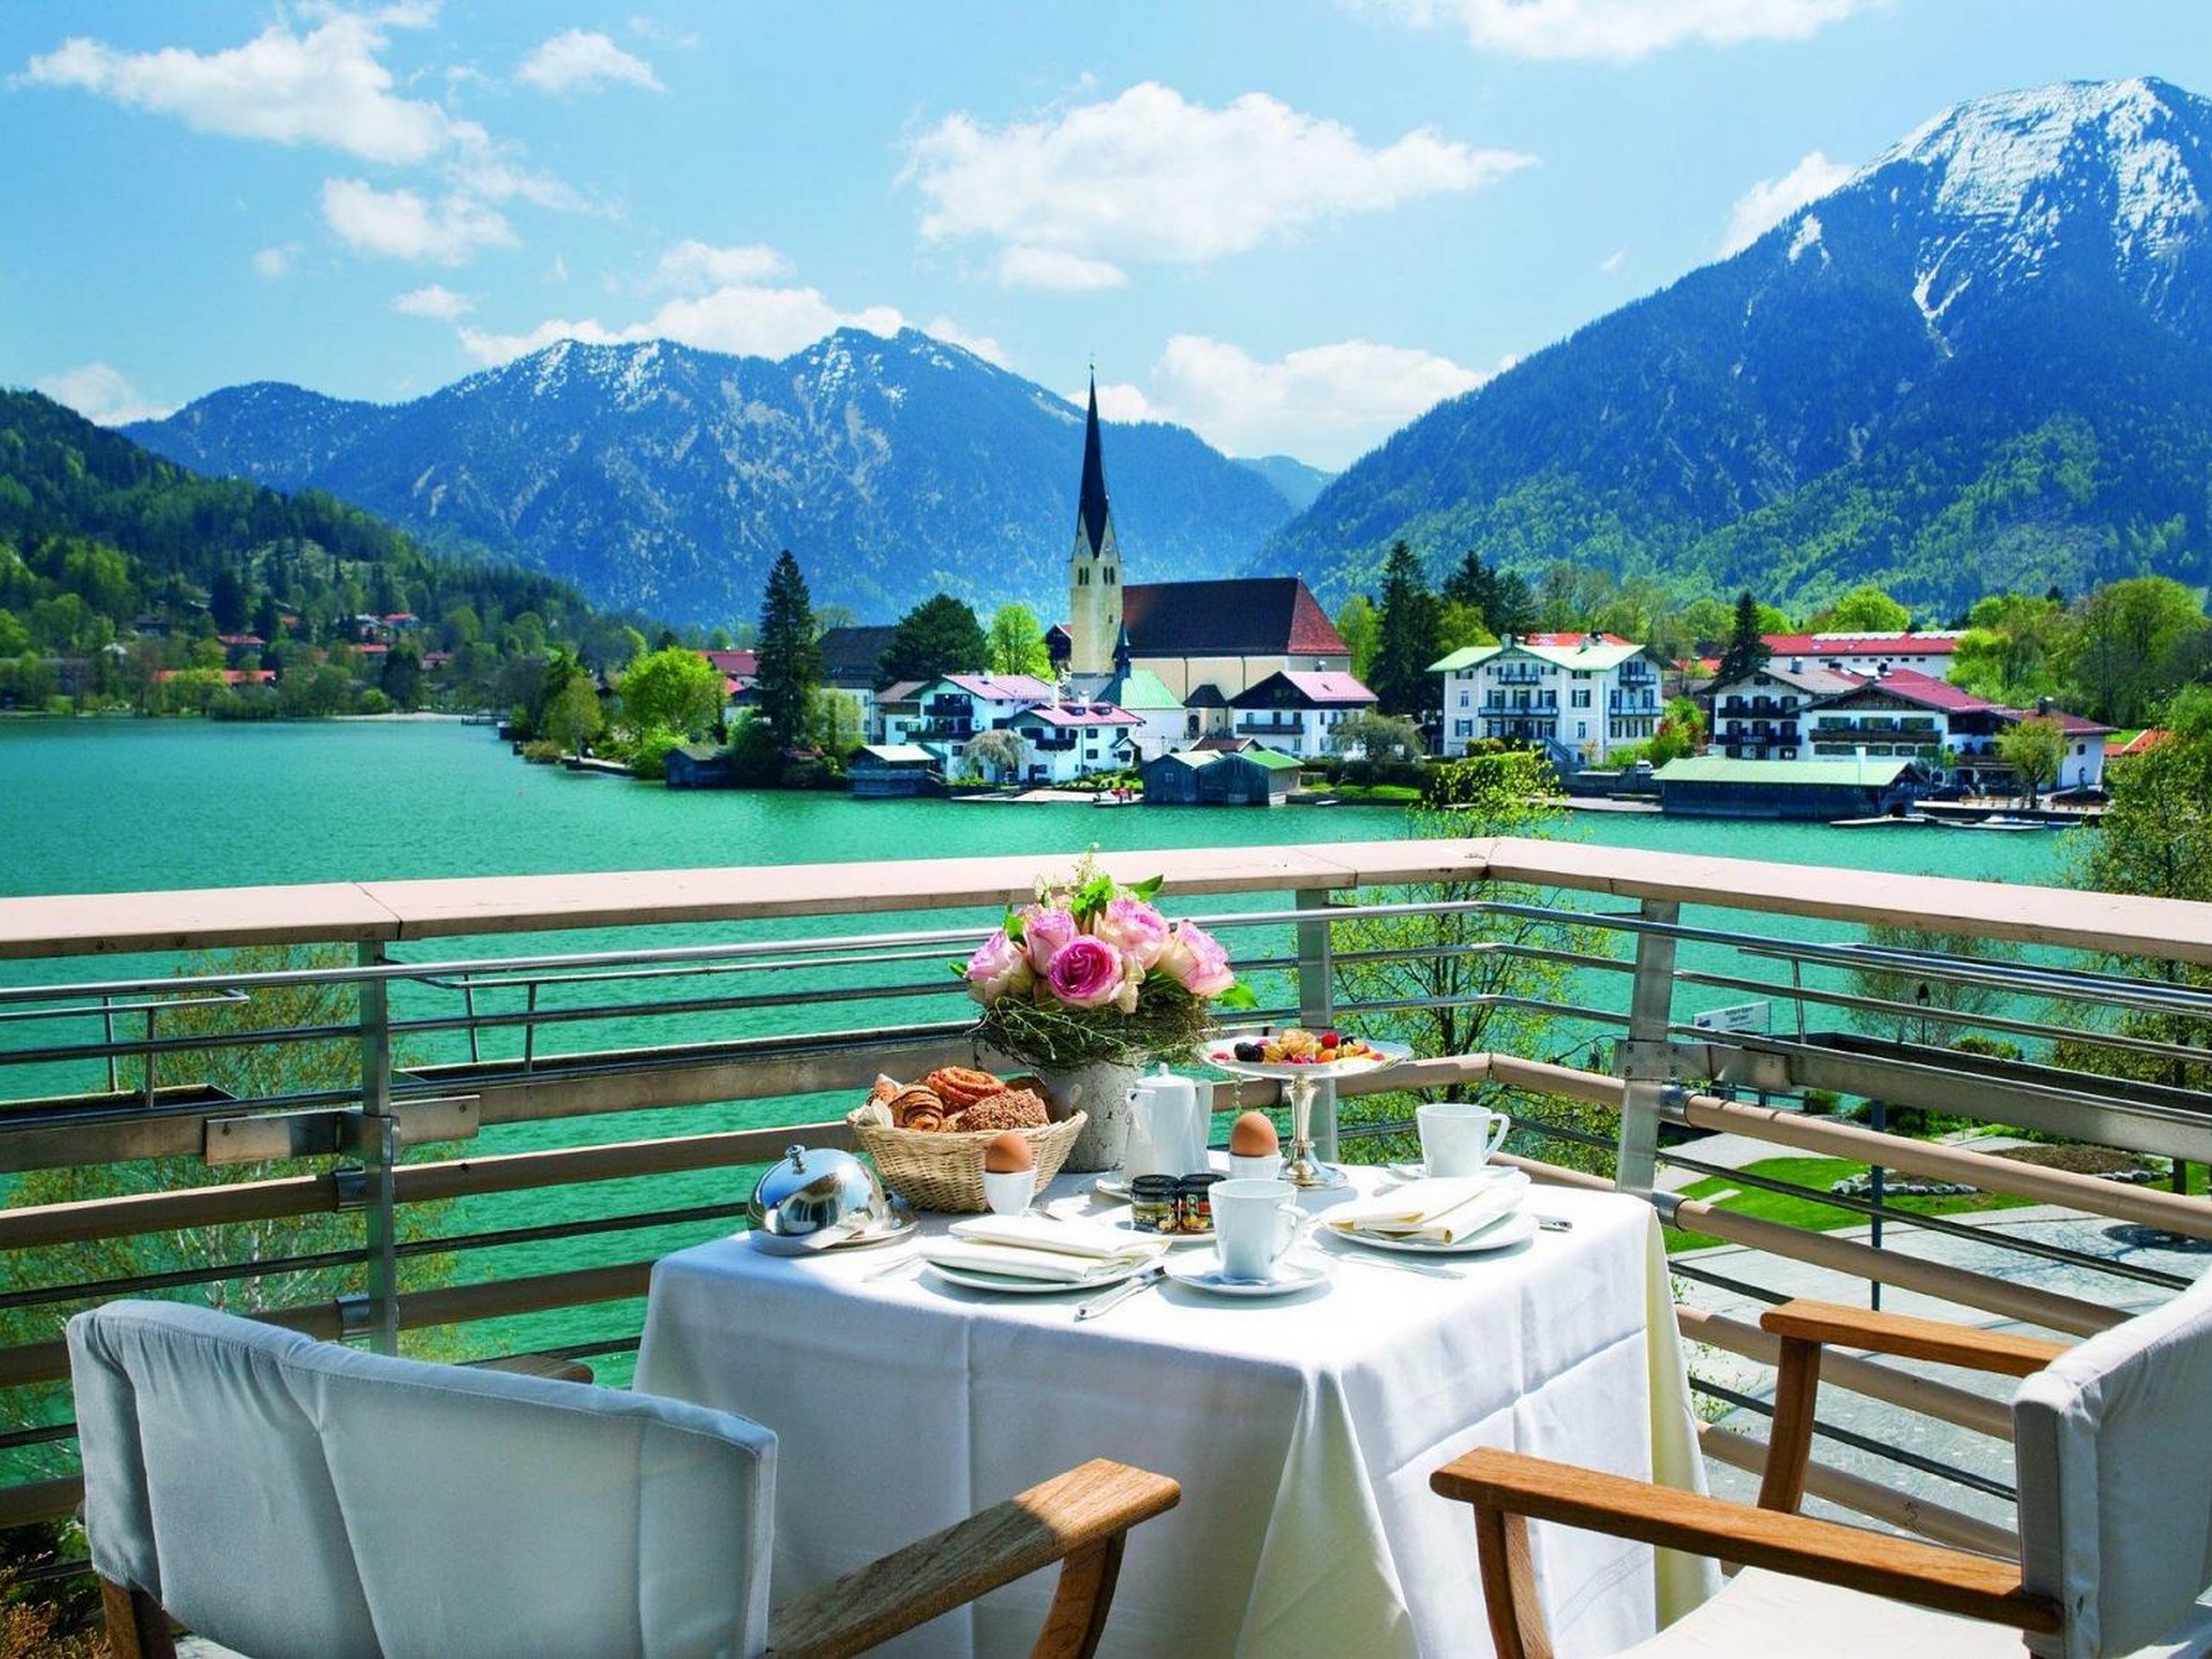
(1194, 1202)
(1151, 1203)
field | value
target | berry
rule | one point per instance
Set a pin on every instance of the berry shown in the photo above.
(1330, 1040)
(1249, 1052)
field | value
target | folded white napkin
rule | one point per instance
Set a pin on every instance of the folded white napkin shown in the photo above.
(1061, 1237)
(1024, 1262)
(1439, 1211)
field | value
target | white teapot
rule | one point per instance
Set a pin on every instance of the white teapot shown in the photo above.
(1167, 1127)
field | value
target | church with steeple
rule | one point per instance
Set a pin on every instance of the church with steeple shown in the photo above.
(1093, 564)
(1180, 654)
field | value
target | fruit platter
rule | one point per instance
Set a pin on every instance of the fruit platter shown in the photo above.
(1300, 1059)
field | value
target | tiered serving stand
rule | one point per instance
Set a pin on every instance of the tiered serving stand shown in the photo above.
(1300, 1167)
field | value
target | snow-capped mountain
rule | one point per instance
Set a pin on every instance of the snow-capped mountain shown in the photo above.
(665, 478)
(1979, 363)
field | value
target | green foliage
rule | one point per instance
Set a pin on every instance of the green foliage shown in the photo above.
(940, 636)
(1016, 642)
(1377, 737)
(1746, 652)
(649, 755)
(1405, 641)
(1918, 993)
(2035, 749)
(756, 760)
(675, 691)
(789, 654)
(999, 753)
(2128, 644)
(573, 718)
(1681, 733)
(1362, 632)
(1865, 609)
(1494, 784)
(2007, 654)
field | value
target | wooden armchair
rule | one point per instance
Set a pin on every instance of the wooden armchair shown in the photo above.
(2114, 1443)
(285, 1497)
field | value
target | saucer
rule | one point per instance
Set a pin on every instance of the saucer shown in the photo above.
(1112, 1185)
(1204, 1272)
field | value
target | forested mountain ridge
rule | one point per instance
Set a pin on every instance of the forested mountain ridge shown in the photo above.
(1984, 362)
(669, 477)
(97, 533)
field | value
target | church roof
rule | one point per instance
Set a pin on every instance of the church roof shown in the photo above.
(1090, 505)
(1247, 616)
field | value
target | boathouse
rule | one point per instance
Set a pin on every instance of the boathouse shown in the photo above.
(1712, 786)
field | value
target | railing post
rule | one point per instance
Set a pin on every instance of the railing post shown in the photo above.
(1648, 1071)
(379, 1151)
(1317, 1002)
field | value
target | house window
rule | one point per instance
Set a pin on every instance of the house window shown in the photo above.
(1580, 698)
(1110, 575)
(1463, 729)
(1082, 578)
(1463, 699)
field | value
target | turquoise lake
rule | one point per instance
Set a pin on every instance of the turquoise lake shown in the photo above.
(117, 806)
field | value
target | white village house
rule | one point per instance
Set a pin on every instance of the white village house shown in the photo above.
(1578, 695)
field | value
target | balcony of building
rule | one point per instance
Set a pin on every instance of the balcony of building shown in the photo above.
(479, 1113)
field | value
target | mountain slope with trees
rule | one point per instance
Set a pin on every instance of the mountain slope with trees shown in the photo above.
(1985, 362)
(662, 477)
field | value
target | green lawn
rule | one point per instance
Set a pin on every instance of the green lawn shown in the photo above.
(1794, 1212)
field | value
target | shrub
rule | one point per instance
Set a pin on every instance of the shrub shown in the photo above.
(372, 702)
(649, 757)
(541, 750)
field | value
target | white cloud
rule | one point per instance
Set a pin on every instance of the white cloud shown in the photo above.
(583, 61)
(327, 86)
(1622, 29)
(751, 318)
(401, 225)
(1611, 261)
(1325, 405)
(275, 264)
(944, 328)
(101, 394)
(1770, 202)
(1069, 273)
(434, 300)
(1150, 175)
(661, 34)
(696, 267)
(1120, 401)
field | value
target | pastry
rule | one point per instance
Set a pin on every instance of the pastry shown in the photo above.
(1010, 1108)
(961, 1086)
(913, 1103)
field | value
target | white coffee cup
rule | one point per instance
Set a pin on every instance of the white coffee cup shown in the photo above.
(1459, 1137)
(1008, 1192)
(1253, 1222)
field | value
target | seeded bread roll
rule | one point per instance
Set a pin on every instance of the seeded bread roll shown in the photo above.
(1010, 1109)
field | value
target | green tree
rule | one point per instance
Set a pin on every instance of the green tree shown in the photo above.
(1362, 632)
(1746, 652)
(401, 677)
(1376, 737)
(938, 636)
(1918, 995)
(1705, 621)
(1681, 733)
(2156, 840)
(1473, 584)
(1405, 638)
(2130, 645)
(1460, 982)
(1516, 612)
(1016, 641)
(674, 691)
(1863, 610)
(789, 654)
(226, 600)
(1002, 753)
(2006, 652)
(1458, 625)
(574, 718)
(2034, 749)
(835, 726)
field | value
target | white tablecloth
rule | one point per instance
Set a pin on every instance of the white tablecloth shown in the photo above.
(1304, 1430)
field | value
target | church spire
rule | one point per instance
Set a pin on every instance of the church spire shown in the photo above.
(1090, 505)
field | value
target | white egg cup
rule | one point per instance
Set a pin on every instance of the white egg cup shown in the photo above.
(1008, 1192)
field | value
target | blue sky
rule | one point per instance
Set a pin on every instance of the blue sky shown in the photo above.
(1290, 224)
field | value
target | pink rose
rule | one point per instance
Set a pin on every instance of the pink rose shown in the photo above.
(1046, 930)
(1086, 973)
(1195, 960)
(998, 967)
(1136, 930)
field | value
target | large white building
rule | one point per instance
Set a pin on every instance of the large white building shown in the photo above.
(1762, 716)
(1578, 695)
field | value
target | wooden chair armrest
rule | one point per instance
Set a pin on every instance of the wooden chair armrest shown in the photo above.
(1079, 1517)
(1911, 1338)
(1948, 1581)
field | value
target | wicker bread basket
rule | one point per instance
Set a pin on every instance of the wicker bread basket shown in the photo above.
(932, 1169)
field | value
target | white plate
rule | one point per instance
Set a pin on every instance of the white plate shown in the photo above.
(1222, 1054)
(1121, 1221)
(1112, 1185)
(887, 1232)
(1006, 1285)
(1518, 1227)
(1204, 1272)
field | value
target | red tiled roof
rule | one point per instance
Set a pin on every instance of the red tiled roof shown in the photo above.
(2072, 725)
(2144, 741)
(1247, 616)
(743, 663)
(1929, 692)
(1087, 714)
(1861, 645)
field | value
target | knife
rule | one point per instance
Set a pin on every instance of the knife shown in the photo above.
(1119, 1294)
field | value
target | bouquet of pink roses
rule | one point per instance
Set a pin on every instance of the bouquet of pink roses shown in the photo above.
(1092, 972)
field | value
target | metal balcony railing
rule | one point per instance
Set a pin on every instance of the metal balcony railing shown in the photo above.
(480, 1125)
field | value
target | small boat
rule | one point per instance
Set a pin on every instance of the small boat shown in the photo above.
(1998, 820)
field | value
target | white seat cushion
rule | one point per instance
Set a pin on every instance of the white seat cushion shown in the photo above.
(1768, 1615)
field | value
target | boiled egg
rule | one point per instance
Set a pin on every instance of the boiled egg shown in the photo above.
(1008, 1154)
(1253, 1135)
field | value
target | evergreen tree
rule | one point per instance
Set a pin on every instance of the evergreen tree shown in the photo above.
(1746, 653)
(1474, 584)
(1405, 638)
(789, 654)
(938, 636)
(1515, 607)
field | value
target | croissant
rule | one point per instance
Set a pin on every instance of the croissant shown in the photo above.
(961, 1086)
(915, 1102)
(885, 1090)
(929, 1119)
